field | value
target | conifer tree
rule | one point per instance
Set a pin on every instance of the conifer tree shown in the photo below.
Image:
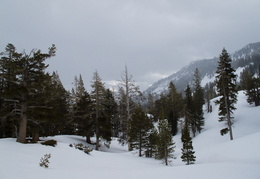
(198, 101)
(152, 143)
(174, 107)
(28, 77)
(83, 116)
(97, 98)
(226, 88)
(140, 127)
(108, 114)
(58, 114)
(165, 145)
(251, 84)
(189, 110)
(187, 148)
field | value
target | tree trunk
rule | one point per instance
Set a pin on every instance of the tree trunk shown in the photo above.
(36, 136)
(88, 139)
(228, 116)
(23, 124)
(166, 156)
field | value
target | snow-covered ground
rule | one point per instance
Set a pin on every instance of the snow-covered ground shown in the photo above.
(217, 156)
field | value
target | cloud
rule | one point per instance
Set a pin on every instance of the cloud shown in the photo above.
(152, 37)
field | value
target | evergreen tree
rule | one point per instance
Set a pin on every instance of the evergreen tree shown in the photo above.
(97, 97)
(165, 145)
(82, 109)
(187, 149)
(58, 115)
(251, 84)
(174, 107)
(140, 127)
(101, 99)
(83, 116)
(198, 101)
(189, 110)
(226, 88)
(24, 76)
(9, 105)
(108, 114)
(152, 143)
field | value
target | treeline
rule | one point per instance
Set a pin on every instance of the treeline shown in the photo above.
(34, 103)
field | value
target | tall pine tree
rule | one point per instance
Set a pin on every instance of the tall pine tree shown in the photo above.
(198, 101)
(226, 88)
(174, 107)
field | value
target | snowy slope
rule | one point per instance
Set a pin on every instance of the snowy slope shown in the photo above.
(207, 69)
(217, 156)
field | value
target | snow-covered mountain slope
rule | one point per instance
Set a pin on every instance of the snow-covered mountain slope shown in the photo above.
(217, 156)
(207, 67)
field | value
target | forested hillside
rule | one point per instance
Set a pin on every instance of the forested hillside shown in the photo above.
(216, 156)
(247, 58)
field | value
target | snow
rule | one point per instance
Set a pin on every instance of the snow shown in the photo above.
(217, 156)
(206, 80)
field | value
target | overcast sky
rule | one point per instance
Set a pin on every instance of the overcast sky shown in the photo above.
(154, 38)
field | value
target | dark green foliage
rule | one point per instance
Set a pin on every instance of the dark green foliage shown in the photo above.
(151, 147)
(165, 145)
(23, 79)
(187, 149)
(189, 110)
(252, 86)
(83, 116)
(52, 143)
(139, 132)
(174, 107)
(198, 101)
(226, 88)
(104, 108)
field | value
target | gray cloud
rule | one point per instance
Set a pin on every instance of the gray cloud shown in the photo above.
(153, 38)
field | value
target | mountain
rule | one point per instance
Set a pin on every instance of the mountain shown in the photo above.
(243, 58)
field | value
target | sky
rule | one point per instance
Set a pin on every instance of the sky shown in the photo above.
(153, 38)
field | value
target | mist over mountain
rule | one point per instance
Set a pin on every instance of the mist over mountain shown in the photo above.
(247, 57)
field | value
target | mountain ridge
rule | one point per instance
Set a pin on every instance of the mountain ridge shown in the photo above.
(207, 67)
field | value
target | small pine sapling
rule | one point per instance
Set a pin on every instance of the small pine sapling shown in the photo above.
(44, 162)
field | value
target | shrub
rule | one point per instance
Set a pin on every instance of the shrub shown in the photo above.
(44, 162)
(52, 143)
(80, 146)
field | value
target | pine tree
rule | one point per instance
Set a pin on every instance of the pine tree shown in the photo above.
(152, 143)
(165, 145)
(83, 116)
(226, 88)
(251, 84)
(140, 127)
(97, 98)
(187, 149)
(189, 110)
(108, 114)
(58, 115)
(25, 78)
(198, 101)
(174, 107)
